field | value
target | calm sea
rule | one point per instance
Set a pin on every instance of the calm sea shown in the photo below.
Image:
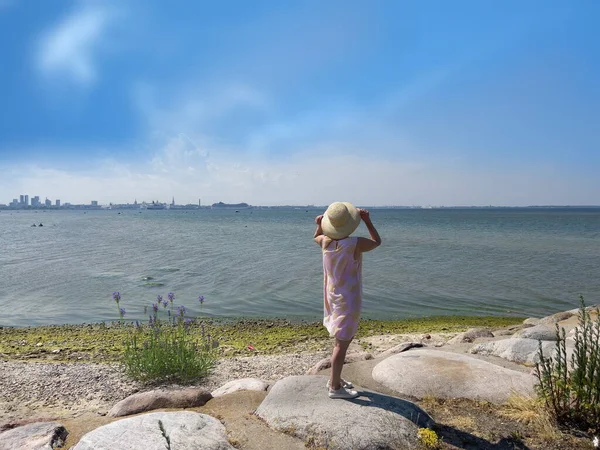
(263, 263)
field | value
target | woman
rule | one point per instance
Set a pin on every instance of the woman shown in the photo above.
(342, 271)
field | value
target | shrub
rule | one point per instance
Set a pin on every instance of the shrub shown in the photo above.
(572, 392)
(168, 349)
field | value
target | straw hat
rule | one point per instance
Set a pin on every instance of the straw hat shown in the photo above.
(340, 220)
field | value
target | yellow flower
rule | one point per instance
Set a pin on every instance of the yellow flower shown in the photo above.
(428, 438)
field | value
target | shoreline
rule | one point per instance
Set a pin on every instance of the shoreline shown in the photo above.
(103, 342)
(79, 388)
(73, 371)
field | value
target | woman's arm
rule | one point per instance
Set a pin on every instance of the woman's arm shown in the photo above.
(318, 236)
(363, 244)
(319, 230)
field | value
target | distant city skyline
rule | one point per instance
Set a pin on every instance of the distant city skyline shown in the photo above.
(22, 202)
(392, 103)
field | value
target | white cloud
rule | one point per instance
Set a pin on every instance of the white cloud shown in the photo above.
(69, 48)
(192, 106)
(318, 175)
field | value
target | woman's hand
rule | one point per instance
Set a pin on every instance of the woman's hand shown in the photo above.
(364, 214)
(318, 219)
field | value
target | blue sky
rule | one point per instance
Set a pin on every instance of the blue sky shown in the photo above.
(308, 102)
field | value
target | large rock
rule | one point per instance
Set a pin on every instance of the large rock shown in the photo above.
(300, 406)
(470, 335)
(184, 430)
(510, 330)
(450, 375)
(538, 332)
(350, 358)
(555, 318)
(34, 436)
(243, 384)
(519, 350)
(400, 348)
(158, 399)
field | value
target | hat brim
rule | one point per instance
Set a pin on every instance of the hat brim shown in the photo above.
(345, 230)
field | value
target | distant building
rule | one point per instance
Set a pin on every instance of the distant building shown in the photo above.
(14, 203)
(94, 202)
(26, 199)
(48, 203)
(58, 203)
(230, 205)
(35, 201)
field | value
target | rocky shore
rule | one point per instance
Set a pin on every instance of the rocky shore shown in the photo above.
(459, 381)
(48, 389)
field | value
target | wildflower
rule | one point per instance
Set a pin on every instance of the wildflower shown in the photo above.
(122, 311)
(137, 324)
(251, 348)
(155, 307)
(165, 304)
(187, 323)
(171, 297)
(181, 310)
(201, 299)
(596, 442)
(116, 296)
(159, 298)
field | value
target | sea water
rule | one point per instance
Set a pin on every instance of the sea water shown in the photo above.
(264, 263)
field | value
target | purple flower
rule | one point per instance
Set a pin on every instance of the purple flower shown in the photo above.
(151, 321)
(171, 297)
(201, 299)
(137, 324)
(187, 323)
(155, 307)
(159, 298)
(181, 310)
(165, 304)
(122, 311)
(116, 296)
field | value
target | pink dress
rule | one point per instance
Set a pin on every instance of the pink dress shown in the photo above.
(342, 288)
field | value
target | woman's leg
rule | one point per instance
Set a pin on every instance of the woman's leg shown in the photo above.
(337, 362)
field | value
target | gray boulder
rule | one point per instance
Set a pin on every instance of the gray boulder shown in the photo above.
(450, 375)
(350, 358)
(555, 318)
(184, 430)
(158, 399)
(243, 384)
(519, 350)
(540, 332)
(470, 335)
(400, 348)
(299, 405)
(532, 321)
(34, 436)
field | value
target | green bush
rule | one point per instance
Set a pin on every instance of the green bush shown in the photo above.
(571, 392)
(168, 349)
